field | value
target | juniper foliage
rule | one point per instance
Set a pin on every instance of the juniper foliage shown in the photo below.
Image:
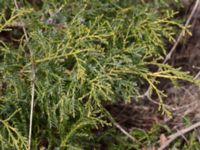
(87, 54)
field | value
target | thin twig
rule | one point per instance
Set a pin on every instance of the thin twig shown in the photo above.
(124, 131)
(146, 94)
(178, 134)
(32, 83)
(182, 32)
(197, 75)
(120, 127)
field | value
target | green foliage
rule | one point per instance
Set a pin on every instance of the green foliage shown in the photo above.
(87, 54)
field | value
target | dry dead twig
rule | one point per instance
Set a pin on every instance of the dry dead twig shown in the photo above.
(174, 136)
(33, 72)
(182, 32)
(124, 132)
(194, 10)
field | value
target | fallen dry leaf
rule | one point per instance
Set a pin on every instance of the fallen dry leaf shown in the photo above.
(163, 139)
